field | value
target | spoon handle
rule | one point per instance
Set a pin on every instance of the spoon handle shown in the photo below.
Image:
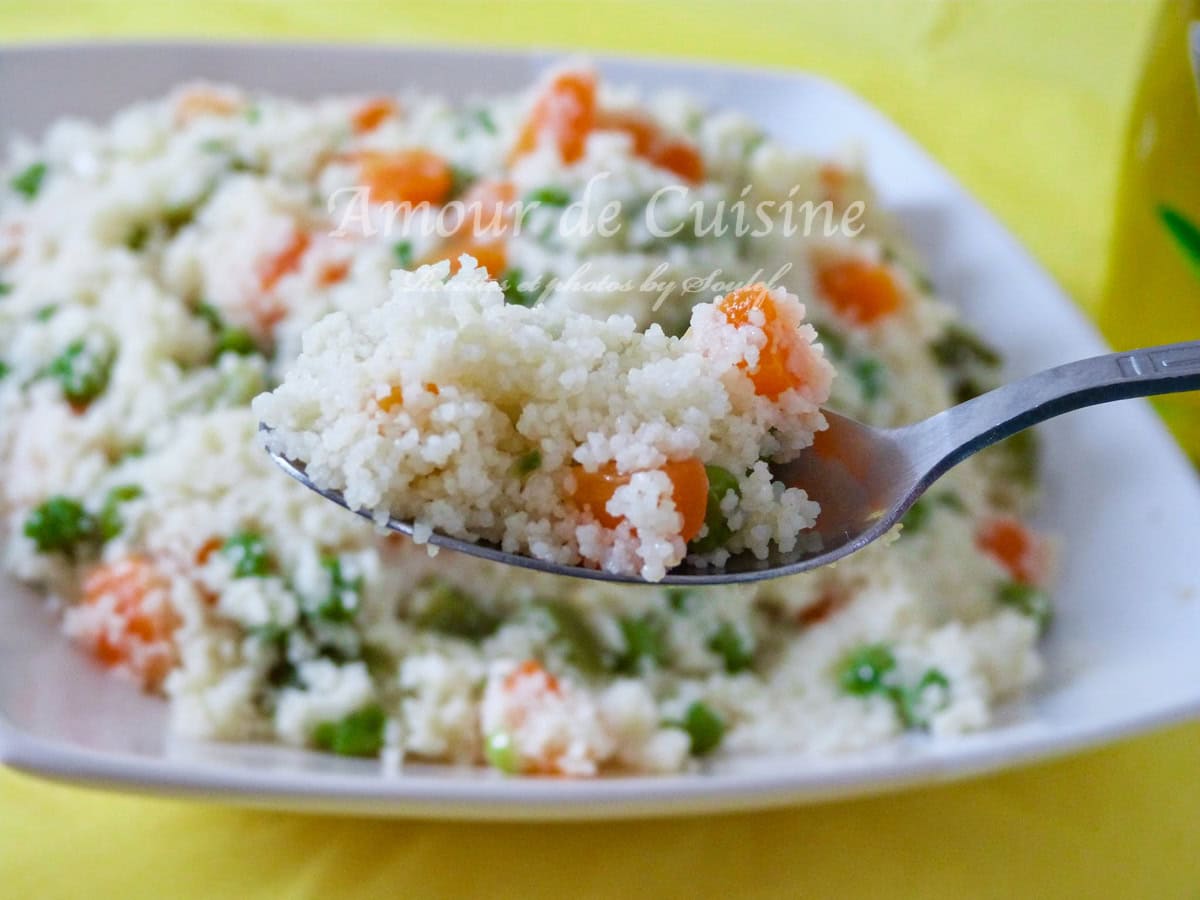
(947, 438)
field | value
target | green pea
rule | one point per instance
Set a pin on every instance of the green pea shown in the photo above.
(358, 734)
(579, 643)
(450, 610)
(705, 728)
(868, 669)
(501, 752)
(728, 643)
(720, 483)
(871, 376)
(645, 644)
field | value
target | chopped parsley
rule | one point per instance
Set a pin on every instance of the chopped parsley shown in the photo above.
(450, 610)
(344, 594)
(82, 371)
(645, 644)
(403, 253)
(720, 483)
(247, 551)
(109, 520)
(705, 728)
(61, 525)
(28, 182)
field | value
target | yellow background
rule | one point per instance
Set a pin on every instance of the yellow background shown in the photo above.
(1030, 104)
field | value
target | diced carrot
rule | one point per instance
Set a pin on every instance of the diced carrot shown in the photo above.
(833, 180)
(373, 113)
(828, 602)
(860, 291)
(531, 669)
(652, 144)
(1016, 547)
(563, 115)
(432, 388)
(141, 636)
(482, 231)
(777, 369)
(200, 102)
(392, 400)
(689, 492)
(492, 256)
(406, 176)
(333, 272)
(285, 261)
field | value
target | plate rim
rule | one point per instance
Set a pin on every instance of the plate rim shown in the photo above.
(609, 797)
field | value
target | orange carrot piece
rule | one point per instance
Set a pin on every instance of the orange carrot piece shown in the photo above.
(862, 292)
(143, 639)
(563, 115)
(774, 372)
(689, 492)
(373, 114)
(652, 144)
(406, 176)
(1016, 547)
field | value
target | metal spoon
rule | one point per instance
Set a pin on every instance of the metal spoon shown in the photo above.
(866, 478)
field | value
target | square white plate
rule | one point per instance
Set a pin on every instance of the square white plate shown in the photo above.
(1122, 656)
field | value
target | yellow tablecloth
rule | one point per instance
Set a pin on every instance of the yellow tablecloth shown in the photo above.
(1030, 104)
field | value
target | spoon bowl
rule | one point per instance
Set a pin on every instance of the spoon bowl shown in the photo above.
(865, 478)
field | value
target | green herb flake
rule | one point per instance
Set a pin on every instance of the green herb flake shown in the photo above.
(109, 519)
(705, 728)
(678, 598)
(82, 371)
(61, 525)
(4, 369)
(450, 610)
(516, 291)
(137, 237)
(549, 196)
(527, 463)
(359, 734)
(832, 340)
(235, 340)
(1028, 600)
(575, 636)
(728, 643)
(247, 551)
(645, 644)
(914, 705)
(342, 602)
(871, 376)
(5, 288)
(958, 348)
(402, 251)
(28, 182)
(460, 180)
(46, 313)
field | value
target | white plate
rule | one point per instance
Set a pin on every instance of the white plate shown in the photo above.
(1122, 656)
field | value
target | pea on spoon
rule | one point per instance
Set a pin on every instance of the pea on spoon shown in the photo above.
(866, 478)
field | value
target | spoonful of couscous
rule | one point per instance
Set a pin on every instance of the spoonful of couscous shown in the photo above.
(550, 439)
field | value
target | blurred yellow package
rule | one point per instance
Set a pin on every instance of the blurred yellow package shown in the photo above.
(1152, 293)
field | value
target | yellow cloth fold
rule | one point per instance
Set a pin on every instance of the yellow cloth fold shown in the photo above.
(1029, 104)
